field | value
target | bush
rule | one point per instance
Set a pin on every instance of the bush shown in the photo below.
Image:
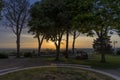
(118, 52)
(3, 55)
(27, 54)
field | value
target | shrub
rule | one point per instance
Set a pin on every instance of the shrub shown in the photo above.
(3, 55)
(118, 52)
(27, 54)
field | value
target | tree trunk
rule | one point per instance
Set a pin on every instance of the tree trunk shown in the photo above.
(103, 60)
(57, 51)
(73, 44)
(18, 45)
(58, 47)
(67, 42)
(39, 44)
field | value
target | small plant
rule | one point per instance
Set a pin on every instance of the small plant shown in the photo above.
(27, 54)
(3, 55)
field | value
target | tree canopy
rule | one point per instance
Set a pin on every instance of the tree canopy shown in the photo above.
(56, 16)
(102, 18)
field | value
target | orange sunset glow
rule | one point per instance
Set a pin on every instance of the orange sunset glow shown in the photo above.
(27, 41)
(81, 42)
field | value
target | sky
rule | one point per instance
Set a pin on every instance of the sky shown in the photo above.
(8, 39)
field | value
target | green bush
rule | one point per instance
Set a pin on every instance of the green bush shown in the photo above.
(27, 54)
(3, 55)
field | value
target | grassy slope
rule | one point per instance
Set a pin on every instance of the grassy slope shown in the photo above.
(54, 74)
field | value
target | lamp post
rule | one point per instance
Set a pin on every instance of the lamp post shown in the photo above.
(114, 43)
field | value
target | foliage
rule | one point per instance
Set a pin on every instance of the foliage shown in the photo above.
(53, 16)
(104, 21)
(106, 45)
(58, 15)
(82, 15)
(100, 20)
(37, 24)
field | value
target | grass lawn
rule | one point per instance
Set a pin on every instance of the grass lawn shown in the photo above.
(112, 61)
(54, 73)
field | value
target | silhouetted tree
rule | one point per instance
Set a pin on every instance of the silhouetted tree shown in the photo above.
(16, 13)
(76, 8)
(67, 42)
(82, 16)
(106, 45)
(37, 34)
(75, 34)
(37, 25)
(62, 13)
(54, 10)
(104, 21)
(59, 15)
(48, 19)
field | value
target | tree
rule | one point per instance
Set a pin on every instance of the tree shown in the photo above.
(58, 16)
(75, 34)
(82, 16)
(36, 24)
(48, 20)
(106, 45)
(75, 8)
(54, 10)
(40, 37)
(63, 13)
(97, 17)
(103, 22)
(67, 42)
(16, 13)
